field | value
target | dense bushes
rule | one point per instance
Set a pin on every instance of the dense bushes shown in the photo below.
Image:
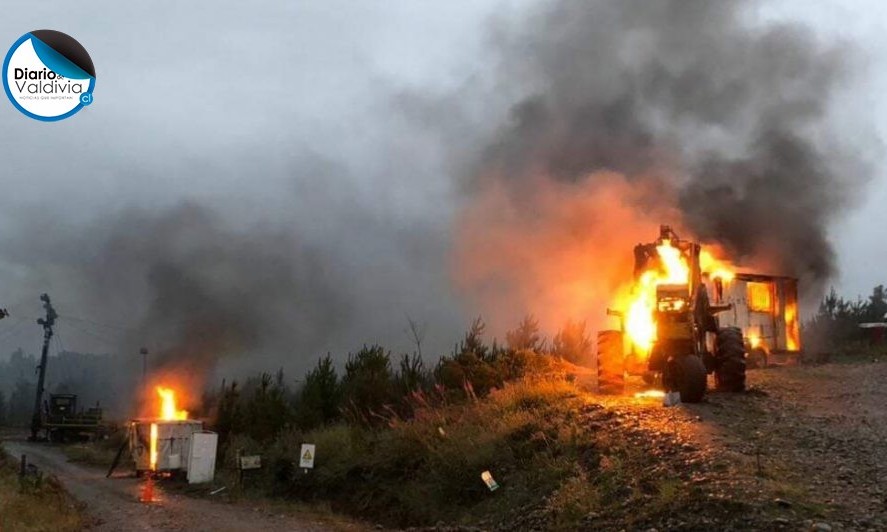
(427, 469)
(403, 442)
(374, 392)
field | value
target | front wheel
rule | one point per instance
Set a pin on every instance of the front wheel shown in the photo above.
(730, 359)
(690, 378)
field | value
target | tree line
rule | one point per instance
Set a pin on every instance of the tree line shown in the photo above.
(836, 325)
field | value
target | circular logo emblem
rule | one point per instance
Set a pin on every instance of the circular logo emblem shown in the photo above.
(48, 75)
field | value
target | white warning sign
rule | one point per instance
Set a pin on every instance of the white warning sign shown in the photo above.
(307, 455)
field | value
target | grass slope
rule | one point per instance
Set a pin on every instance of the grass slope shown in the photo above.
(35, 508)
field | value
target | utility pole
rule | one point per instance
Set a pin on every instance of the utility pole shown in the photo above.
(47, 324)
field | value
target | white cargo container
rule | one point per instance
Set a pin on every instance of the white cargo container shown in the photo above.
(173, 444)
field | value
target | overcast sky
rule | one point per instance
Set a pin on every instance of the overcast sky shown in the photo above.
(265, 110)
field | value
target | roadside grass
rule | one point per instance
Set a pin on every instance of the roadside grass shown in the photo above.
(35, 508)
(561, 463)
(426, 470)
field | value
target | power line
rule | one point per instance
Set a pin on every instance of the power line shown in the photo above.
(117, 327)
(14, 329)
(102, 339)
(58, 339)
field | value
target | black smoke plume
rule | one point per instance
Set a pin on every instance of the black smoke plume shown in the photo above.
(729, 117)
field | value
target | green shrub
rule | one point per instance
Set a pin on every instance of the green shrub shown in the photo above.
(320, 400)
(368, 386)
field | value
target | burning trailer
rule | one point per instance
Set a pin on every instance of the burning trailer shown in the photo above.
(172, 444)
(765, 309)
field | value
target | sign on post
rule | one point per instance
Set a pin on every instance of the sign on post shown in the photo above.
(306, 457)
(251, 462)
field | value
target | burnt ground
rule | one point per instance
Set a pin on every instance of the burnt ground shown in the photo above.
(804, 449)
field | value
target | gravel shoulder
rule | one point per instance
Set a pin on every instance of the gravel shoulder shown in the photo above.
(805, 448)
(816, 437)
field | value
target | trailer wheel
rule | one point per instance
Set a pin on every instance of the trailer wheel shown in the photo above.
(690, 378)
(730, 356)
(610, 362)
(757, 358)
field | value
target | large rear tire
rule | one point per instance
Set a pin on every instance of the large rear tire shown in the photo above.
(730, 357)
(610, 362)
(690, 378)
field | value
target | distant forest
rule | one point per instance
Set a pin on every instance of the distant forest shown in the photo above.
(94, 378)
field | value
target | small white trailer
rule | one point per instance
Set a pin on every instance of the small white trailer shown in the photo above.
(182, 448)
(765, 308)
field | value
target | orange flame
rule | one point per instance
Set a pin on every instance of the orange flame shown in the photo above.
(650, 394)
(153, 447)
(639, 323)
(754, 339)
(168, 411)
(793, 336)
(715, 268)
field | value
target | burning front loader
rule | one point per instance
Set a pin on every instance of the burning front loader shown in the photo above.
(672, 331)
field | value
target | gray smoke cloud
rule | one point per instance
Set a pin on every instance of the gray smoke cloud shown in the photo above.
(197, 288)
(729, 117)
(198, 224)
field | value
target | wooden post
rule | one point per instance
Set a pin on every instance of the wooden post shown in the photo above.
(21, 473)
(240, 468)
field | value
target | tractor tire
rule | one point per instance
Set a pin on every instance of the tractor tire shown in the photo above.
(756, 359)
(610, 363)
(730, 357)
(690, 378)
(649, 378)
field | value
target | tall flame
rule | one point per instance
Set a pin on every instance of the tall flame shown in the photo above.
(639, 323)
(715, 268)
(153, 447)
(793, 335)
(168, 411)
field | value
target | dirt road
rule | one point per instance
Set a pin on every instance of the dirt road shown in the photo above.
(817, 437)
(112, 504)
(804, 449)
